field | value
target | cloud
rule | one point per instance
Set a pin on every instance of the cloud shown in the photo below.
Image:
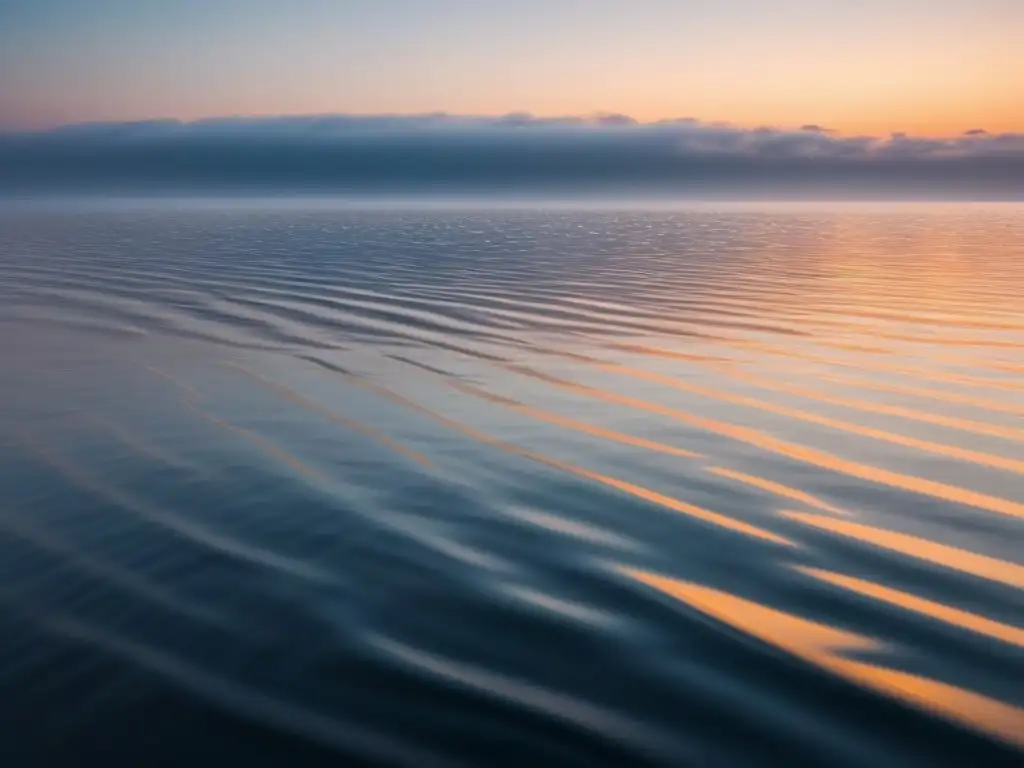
(518, 150)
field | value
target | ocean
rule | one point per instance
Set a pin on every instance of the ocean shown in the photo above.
(464, 483)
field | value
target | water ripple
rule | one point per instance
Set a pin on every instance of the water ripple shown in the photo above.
(398, 486)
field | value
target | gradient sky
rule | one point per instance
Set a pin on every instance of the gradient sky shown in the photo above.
(864, 66)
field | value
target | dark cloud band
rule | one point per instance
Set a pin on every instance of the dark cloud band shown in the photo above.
(605, 152)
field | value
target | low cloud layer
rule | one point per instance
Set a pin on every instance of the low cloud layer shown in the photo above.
(604, 153)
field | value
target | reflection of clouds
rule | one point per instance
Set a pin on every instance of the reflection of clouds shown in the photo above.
(953, 451)
(930, 608)
(800, 452)
(825, 646)
(999, 571)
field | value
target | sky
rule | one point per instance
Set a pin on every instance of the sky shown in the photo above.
(926, 67)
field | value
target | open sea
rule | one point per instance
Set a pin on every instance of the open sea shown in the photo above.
(329, 483)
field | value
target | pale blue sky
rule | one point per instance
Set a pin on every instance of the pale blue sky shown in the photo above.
(872, 65)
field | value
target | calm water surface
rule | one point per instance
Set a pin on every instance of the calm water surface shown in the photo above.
(290, 484)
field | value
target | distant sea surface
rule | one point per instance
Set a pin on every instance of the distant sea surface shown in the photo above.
(315, 483)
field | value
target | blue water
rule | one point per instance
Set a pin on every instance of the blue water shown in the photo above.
(340, 483)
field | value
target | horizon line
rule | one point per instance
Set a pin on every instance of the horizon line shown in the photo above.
(512, 118)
